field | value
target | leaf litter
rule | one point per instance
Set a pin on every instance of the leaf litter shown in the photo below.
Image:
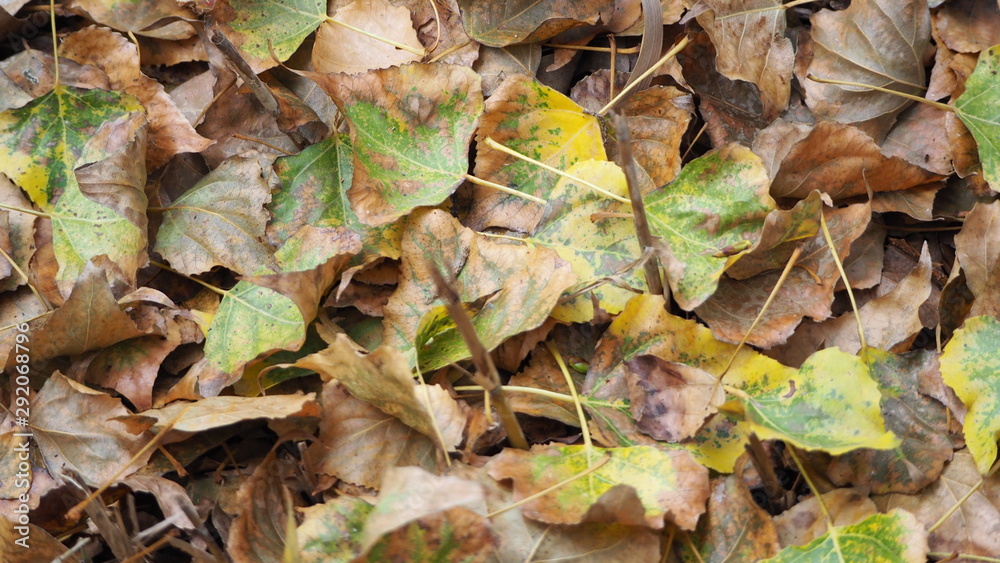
(361, 280)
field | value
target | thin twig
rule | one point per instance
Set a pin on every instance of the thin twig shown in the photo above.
(487, 375)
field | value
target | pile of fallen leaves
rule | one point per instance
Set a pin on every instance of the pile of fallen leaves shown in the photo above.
(290, 281)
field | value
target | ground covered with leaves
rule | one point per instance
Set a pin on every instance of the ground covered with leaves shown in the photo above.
(456, 280)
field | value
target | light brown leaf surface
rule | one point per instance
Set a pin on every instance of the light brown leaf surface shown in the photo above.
(216, 412)
(339, 49)
(844, 49)
(670, 401)
(735, 527)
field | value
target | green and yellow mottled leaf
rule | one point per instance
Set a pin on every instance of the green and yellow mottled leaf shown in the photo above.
(411, 127)
(253, 24)
(594, 248)
(831, 404)
(665, 484)
(331, 532)
(896, 537)
(708, 217)
(219, 222)
(970, 364)
(43, 142)
(536, 121)
(979, 109)
(314, 192)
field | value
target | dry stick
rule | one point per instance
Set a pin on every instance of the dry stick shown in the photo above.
(614, 56)
(507, 150)
(260, 90)
(487, 375)
(74, 513)
(652, 266)
(633, 85)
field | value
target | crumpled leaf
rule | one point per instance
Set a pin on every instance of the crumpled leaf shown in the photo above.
(383, 379)
(75, 430)
(974, 528)
(506, 22)
(709, 216)
(521, 285)
(142, 17)
(750, 45)
(646, 484)
(893, 537)
(255, 26)
(338, 49)
(257, 534)
(670, 401)
(411, 127)
(843, 50)
(358, 442)
(423, 517)
(735, 529)
(978, 109)
(971, 366)
(832, 405)
(536, 121)
(216, 412)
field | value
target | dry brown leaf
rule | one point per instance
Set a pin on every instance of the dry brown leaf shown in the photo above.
(670, 401)
(339, 49)
(976, 245)
(736, 528)
(805, 521)
(257, 534)
(76, 431)
(216, 412)
(920, 138)
(750, 45)
(842, 161)
(843, 49)
(358, 442)
(968, 26)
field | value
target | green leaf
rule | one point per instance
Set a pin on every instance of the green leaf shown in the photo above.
(896, 537)
(979, 109)
(253, 24)
(219, 222)
(594, 249)
(970, 364)
(832, 405)
(314, 192)
(708, 217)
(411, 127)
(665, 483)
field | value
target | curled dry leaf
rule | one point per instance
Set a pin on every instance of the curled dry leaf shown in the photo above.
(507, 22)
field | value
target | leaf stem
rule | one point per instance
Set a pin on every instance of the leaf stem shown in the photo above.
(507, 150)
(25, 211)
(767, 9)
(632, 85)
(972, 490)
(518, 389)
(932, 103)
(620, 51)
(55, 41)
(812, 487)
(17, 268)
(504, 189)
(572, 390)
(407, 48)
(843, 276)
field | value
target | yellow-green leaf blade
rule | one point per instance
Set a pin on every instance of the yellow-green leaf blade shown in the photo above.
(979, 109)
(970, 364)
(832, 405)
(896, 537)
(708, 217)
(253, 24)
